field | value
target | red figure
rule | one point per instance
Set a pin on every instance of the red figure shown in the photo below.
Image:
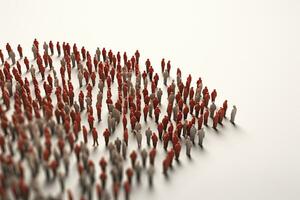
(152, 155)
(225, 107)
(156, 113)
(154, 139)
(213, 95)
(206, 114)
(106, 135)
(133, 157)
(95, 136)
(216, 120)
(177, 149)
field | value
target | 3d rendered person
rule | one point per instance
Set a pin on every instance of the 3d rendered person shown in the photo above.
(150, 173)
(215, 120)
(212, 109)
(201, 135)
(148, 134)
(106, 135)
(144, 155)
(12, 55)
(154, 140)
(95, 136)
(233, 114)
(1, 57)
(188, 144)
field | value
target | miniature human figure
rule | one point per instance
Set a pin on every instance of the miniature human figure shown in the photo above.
(212, 109)
(133, 157)
(127, 188)
(139, 139)
(165, 77)
(148, 134)
(150, 173)
(61, 178)
(34, 51)
(216, 120)
(106, 135)
(124, 150)
(154, 140)
(80, 78)
(159, 95)
(193, 132)
(138, 170)
(233, 113)
(188, 144)
(201, 135)
(46, 48)
(1, 57)
(95, 136)
(118, 143)
(20, 50)
(177, 150)
(144, 155)
(150, 108)
(98, 53)
(12, 55)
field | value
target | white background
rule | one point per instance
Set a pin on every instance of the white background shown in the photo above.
(247, 50)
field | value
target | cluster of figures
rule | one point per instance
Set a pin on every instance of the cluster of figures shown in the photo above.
(46, 123)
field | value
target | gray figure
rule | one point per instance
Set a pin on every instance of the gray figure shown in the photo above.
(124, 150)
(148, 134)
(193, 132)
(197, 97)
(159, 95)
(137, 127)
(201, 135)
(178, 79)
(175, 111)
(144, 155)
(188, 145)
(145, 80)
(88, 101)
(56, 82)
(171, 98)
(46, 47)
(8, 85)
(233, 113)
(118, 143)
(63, 62)
(98, 53)
(99, 97)
(150, 173)
(66, 161)
(61, 179)
(116, 114)
(165, 77)
(139, 139)
(113, 124)
(80, 66)
(32, 71)
(34, 51)
(80, 78)
(138, 170)
(184, 128)
(173, 85)
(73, 60)
(212, 110)
(76, 107)
(109, 122)
(12, 55)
